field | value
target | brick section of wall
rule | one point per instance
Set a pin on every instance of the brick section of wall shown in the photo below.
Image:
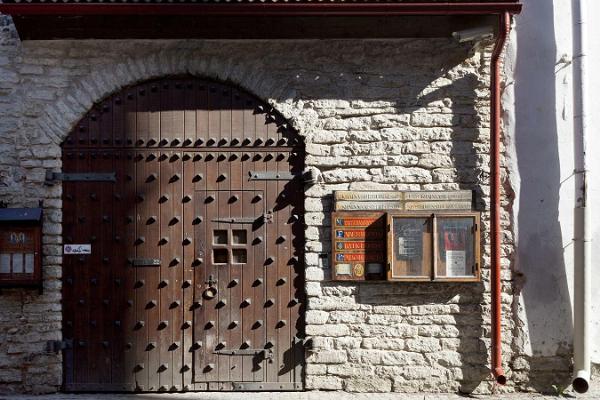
(401, 114)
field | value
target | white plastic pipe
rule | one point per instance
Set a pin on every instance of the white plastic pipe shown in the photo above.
(583, 234)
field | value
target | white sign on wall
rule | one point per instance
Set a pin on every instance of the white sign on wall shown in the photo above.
(77, 249)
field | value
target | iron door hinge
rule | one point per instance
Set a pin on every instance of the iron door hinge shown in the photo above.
(81, 176)
(266, 353)
(144, 262)
(272, 175)
(55, 346)
(266, 217)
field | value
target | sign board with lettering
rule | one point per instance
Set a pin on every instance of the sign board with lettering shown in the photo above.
(399, 201)
(359, 246)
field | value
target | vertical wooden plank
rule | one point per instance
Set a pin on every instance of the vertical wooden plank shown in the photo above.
(148, 191)
(94, 127)
(225, 114)
(236, 268)
(143, 116)
(249, 129)
(161, 132)
(69, 280)
(130, 117)
(214, 114)
(140, 336)
(188, 309)
(126, 286)
(201, 95)
(103, 274)
(118, 120)
(126, 320)
(180, 242)
(199, 264)
(170, 249)
(84, 269)
(94, 284)
(223, 270)
(158, 199)
(189, 111)
(247, 272)
(259, 242)
(105, 111)
(270, 264)
(209, 368)
(122, 313)
(284, 278)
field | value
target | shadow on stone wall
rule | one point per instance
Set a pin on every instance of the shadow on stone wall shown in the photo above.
(541, 246)
(449, 331)
(450, 328)
(469, 170)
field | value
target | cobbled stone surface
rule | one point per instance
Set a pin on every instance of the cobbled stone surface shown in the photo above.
(409, 114)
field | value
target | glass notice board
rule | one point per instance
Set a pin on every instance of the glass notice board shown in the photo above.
(409, 243)
(456, 255)
(439, 246)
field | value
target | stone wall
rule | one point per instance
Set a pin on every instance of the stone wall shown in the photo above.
(394, 114)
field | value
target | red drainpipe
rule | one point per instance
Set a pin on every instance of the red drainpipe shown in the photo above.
(496, 230)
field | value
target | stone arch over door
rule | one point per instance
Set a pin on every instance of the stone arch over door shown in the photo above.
(189, 192)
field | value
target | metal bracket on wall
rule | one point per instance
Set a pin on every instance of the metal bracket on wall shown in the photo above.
(81, 177)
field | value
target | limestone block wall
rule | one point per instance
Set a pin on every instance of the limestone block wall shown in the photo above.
(390, 115)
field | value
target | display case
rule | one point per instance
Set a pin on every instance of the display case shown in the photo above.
(410, 247)
(443, 246)
(456, 247)
(359, 246)
(20, 247)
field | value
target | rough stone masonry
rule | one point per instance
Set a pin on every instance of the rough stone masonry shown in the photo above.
(376, 115)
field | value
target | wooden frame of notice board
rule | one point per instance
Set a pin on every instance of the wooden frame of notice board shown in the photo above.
(440, 246)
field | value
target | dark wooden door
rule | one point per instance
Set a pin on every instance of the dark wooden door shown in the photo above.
(190, 196)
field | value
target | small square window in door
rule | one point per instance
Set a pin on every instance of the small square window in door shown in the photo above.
(239, 236)
(220, 256)
(219, 236)
(239, 256)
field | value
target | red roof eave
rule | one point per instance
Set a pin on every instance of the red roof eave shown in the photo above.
(263, 9)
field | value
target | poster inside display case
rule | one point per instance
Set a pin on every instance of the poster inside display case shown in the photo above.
(359, 246)
(410, 247)
(457, 246)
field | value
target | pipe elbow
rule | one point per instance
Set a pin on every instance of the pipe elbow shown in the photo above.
(499, 375)
(581, 382)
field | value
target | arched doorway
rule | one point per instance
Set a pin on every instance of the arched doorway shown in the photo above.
(189, 194)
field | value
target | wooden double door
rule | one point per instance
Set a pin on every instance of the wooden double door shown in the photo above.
(190, 196)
